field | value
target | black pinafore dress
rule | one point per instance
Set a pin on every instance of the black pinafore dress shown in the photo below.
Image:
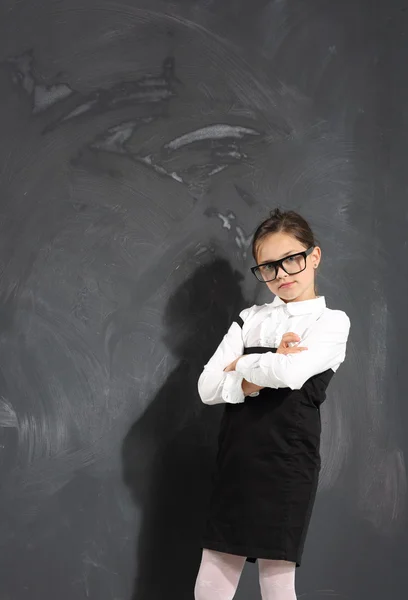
(267, 472)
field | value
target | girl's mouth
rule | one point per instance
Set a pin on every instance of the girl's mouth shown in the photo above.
(284, 285)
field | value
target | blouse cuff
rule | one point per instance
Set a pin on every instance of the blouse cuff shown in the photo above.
(232, 391)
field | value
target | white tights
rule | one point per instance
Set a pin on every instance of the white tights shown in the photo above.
(220, 573)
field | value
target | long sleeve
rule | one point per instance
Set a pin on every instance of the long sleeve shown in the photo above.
(216, 386)
(326, 343)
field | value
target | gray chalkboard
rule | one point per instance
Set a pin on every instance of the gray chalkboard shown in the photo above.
(141, 144)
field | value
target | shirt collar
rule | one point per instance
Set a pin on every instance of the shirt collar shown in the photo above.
(303, 307)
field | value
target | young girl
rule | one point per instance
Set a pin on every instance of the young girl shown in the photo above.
(271, 371)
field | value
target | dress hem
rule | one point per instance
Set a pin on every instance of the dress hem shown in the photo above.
(251, 554)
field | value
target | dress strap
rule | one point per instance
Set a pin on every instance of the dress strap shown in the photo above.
(240, 321)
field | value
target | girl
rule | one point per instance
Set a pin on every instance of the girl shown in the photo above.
(268, 459)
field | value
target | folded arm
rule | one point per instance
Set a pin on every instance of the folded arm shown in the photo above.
(215, 386)
(326, 344)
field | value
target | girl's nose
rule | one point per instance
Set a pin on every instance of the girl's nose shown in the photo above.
(280, 268)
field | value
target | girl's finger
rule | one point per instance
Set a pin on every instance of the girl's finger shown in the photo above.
(290, 337)
(294, 350)
(289, 350)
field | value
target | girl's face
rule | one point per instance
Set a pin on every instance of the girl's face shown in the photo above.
(278, 245)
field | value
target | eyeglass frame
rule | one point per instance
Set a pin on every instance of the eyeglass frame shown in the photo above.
(278, 263)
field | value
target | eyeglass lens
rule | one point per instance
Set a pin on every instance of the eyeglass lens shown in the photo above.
(292, 265)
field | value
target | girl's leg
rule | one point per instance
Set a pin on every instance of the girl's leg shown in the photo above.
(277, 579)
(218, 576)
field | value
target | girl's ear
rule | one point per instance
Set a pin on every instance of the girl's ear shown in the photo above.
(316, 254)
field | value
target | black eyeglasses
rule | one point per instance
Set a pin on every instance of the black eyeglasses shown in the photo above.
(295, 263)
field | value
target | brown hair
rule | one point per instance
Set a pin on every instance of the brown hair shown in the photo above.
(289, 222)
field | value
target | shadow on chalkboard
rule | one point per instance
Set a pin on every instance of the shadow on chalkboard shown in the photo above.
(169, 453)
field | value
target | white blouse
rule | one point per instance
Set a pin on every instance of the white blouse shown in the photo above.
(324, 331)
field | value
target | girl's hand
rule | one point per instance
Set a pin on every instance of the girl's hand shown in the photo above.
(249, 388)
(288, 338)
(231, 367)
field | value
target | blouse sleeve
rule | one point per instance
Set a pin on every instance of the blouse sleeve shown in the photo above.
(215, 386)
(326, 343)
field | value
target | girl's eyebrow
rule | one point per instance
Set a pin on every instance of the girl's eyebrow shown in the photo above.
(283, 255)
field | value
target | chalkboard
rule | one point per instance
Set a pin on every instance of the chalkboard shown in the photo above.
(141, 144)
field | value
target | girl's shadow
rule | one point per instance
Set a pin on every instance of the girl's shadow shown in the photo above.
(168, 454)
